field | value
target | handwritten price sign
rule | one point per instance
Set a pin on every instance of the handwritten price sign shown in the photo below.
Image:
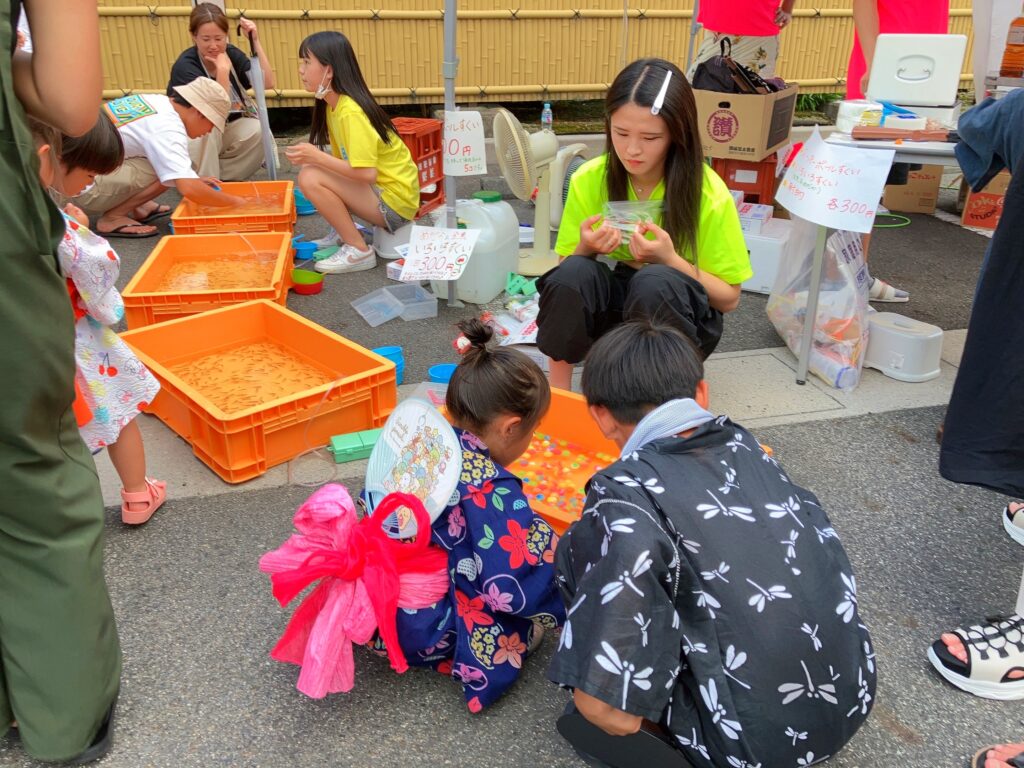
(438, 254)
(834, 186)
(464, 153)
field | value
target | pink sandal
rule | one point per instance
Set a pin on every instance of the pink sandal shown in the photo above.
(153, 497)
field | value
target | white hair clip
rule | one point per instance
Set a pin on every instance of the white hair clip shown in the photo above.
(659, 101)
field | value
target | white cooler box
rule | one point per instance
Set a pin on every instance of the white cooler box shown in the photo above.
(766, 250)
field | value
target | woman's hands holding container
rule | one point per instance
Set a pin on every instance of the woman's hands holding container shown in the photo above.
(656, 249)
(604, 239)
(303, 153)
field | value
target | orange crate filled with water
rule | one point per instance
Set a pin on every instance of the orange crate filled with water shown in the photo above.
(423, 136)
(269, 207)
(254, 385)
(566, 450)
(188, 274)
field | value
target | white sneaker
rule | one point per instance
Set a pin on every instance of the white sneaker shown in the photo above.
(347, 259)
(331, 238)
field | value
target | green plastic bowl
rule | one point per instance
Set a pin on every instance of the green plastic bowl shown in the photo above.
(307, 282)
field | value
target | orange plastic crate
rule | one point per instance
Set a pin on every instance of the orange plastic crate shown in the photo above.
(355, 388)
(423, 136)
(148, 299)
(190, 219)
(755, 180)
(566, 420)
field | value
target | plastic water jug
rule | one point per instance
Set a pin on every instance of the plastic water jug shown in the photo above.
(496, 252)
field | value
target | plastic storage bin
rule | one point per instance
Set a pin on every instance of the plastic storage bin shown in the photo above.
(767, 249)
(203, 360)
(203, 272)
(567, 419)
(755, 180)
(496, 252)
(408, 301)
(190, 219)
(424, 136)
(903, 348)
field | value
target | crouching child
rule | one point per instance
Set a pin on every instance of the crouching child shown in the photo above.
(711, 611)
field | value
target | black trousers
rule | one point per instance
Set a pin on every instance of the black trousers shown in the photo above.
(581, 299)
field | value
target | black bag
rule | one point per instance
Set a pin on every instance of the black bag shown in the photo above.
(724, 75)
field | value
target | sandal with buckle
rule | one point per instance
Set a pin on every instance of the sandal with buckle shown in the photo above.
(153, 497)
(995, 650)
(981, 756)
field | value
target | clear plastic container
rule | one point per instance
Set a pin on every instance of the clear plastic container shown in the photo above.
(495, 254)
(626, 214)
(417, 302)
(378, 307)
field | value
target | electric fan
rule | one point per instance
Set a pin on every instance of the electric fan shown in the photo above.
(525, 160)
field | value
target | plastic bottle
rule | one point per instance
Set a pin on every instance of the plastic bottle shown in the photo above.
(496, 252)
(834, 372)
(1013, 55)
(547, 118)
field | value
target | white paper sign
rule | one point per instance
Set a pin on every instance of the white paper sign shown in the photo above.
(438, 254)
(464, 153)
(834, 186)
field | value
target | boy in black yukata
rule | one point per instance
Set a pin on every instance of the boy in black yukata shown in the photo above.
(705, 592)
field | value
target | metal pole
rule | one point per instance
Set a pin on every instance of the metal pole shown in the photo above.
(449, 69)
(812, 307)
(693, 35)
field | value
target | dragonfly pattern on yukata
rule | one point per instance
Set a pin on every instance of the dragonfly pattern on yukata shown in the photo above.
(710, 594)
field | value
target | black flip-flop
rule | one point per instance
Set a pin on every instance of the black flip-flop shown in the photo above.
(119, 232)
(597, 748)
(978, 761)
(157, 214)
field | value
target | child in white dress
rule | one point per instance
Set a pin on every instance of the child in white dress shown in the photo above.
(113, 381)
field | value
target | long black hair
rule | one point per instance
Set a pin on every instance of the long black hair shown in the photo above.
(639, 84)
(332, 49)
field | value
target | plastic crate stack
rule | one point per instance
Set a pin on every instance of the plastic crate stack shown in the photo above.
(423, 136)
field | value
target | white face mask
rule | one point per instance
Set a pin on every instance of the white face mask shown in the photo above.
(322, 90)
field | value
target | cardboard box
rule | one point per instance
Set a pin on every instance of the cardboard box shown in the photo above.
(766, 250)
(744, 127)
(753, 217)
(918, 195)
(983, 209)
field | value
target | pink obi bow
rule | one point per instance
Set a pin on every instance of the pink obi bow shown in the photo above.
(365, 577)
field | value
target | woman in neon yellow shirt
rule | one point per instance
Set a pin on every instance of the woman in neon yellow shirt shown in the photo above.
(685, 267)
(370, 172)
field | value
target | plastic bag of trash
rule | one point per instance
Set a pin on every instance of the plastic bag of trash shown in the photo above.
(841, 327)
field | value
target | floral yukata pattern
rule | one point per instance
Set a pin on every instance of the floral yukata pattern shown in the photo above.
(501, 564)
(113, 381)
(709, 593)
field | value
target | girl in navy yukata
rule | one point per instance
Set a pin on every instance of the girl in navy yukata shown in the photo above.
(500, 554)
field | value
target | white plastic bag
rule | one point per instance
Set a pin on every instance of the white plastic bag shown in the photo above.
(841, 331)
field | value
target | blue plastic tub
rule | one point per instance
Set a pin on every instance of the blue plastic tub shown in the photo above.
(441, 373)
(394, 354)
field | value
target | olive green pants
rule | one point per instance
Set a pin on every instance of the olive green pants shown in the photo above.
(60, 662)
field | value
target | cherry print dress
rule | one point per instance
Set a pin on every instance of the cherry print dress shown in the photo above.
(112, 379)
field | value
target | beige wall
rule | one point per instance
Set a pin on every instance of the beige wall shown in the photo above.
(546, 50)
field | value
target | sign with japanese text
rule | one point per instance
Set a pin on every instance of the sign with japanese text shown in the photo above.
(464, 153)
(835, 186)
(438, 254)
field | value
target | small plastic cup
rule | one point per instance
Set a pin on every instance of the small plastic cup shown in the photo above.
(441, 373)
(307, 282)
(394, 354)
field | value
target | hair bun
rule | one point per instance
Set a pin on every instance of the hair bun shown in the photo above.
(477, 333)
